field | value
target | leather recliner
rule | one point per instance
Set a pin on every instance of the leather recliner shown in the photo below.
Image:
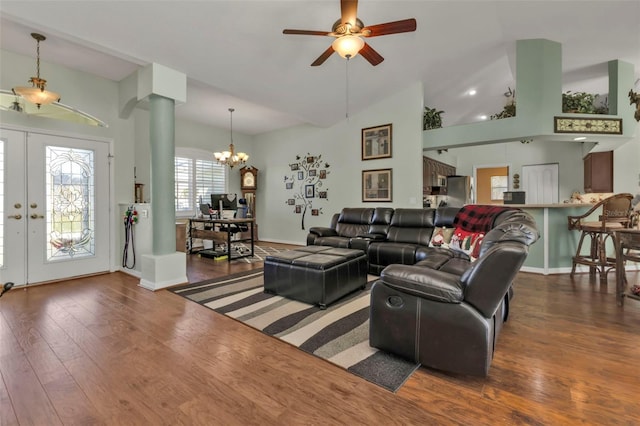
(449, 319)
(409, 231)
(346, 225)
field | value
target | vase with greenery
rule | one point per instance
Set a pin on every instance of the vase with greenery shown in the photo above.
(431, 119)
(578, 102)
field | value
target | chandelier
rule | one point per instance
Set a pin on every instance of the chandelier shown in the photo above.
(231, 158)
(36, 94)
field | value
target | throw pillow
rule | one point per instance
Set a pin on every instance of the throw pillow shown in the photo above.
(466, 242)
(441, 237)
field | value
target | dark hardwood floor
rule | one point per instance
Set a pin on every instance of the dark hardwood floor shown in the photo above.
(102, 350)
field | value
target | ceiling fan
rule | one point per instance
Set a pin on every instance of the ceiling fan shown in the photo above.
(349, 30)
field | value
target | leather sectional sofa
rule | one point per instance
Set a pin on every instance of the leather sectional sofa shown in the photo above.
(441, 306)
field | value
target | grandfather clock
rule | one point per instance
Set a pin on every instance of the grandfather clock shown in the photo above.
(248, 185)
(248, 179)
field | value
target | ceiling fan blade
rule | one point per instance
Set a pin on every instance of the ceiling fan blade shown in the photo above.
(371, 55)
(404, 26)
(305, 32)
(325, 55)
(349, 9)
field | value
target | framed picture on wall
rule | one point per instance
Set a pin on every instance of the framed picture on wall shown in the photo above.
(376, 185)
(309, 191)
(376, 142)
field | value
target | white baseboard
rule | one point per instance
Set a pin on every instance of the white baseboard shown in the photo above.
(580, 269)
(131, 272)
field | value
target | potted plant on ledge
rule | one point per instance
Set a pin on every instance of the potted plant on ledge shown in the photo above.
(431, 119)
(509, 109)
(578, 102)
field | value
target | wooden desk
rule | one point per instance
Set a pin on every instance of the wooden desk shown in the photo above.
(625, 239)
(214, 229)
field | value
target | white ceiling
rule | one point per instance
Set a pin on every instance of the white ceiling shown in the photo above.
(235, 55)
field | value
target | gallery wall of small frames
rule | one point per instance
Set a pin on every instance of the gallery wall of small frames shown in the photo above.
(306, 185)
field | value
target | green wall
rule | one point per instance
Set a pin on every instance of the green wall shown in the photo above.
(340, 146)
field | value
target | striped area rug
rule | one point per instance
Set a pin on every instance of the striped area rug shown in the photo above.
(339, 334)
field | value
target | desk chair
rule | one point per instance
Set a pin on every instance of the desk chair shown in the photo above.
(233, 228)
(615, 215)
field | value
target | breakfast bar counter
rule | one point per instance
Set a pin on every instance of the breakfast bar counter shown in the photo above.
(552, 254)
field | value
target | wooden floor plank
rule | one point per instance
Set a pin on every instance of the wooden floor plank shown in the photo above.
(103, 350)
(7, 414)
(29, 399)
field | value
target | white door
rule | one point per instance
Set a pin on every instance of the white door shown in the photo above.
(540, 183)
(13, 211)
(61, 227)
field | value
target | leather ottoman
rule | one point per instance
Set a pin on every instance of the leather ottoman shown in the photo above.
(317, 275)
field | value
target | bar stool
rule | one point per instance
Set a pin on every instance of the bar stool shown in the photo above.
(615, 215)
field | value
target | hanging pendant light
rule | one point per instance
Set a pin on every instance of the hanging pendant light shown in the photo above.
(231, 158)
(37, 94)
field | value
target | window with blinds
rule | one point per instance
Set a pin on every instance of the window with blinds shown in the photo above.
(196, 178)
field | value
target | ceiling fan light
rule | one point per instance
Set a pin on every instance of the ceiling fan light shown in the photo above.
(348, 46)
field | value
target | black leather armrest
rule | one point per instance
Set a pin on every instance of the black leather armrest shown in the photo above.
(372, 237)
(424, 282)
(323, 232)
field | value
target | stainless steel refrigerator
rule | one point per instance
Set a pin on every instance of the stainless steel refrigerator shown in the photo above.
(459, 191)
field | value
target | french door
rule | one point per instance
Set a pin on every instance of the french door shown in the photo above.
(54, 205)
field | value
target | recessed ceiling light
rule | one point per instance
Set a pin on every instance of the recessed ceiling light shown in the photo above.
(580, 138)
(483, 117)
(472, 92)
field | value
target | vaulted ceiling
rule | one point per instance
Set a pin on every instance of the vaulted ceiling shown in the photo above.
(235, 55)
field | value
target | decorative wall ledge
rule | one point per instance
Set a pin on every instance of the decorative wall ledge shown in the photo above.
(539, 86)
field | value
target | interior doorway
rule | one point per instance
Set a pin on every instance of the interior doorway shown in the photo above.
(491, 182)
(54, 205)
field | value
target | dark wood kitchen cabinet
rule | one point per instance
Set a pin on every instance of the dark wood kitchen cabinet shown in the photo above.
(598, 172)
(434, 173)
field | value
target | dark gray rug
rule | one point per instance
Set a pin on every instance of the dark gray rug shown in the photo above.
(339, 334)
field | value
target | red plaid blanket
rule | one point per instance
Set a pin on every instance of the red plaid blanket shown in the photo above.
(478, 218)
